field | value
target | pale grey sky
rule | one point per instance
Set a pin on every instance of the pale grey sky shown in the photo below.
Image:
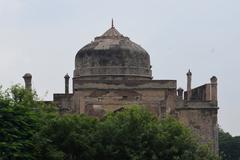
(43, 36)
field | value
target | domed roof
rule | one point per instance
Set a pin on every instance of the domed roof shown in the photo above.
(27, 75)
(112, 56)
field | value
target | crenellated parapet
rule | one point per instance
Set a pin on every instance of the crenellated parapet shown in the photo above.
(204, 93)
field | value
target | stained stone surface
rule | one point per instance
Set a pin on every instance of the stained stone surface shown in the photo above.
(112, 56)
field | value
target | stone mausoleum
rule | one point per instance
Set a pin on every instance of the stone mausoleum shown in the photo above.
(112, 72)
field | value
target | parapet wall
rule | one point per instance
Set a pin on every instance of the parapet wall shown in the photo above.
(201, 93)
(201, 117)
(123, 84)
(64, 102)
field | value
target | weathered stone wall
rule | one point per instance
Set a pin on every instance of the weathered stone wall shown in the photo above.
(123, 84)
(201, 93)
(93, 101)
(99, 97)
(64, 102)
(202, 118)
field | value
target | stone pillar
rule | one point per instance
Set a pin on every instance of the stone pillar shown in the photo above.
(28, 81)
(66, 77)
(189, 85)
(214, 89)
(180, 92)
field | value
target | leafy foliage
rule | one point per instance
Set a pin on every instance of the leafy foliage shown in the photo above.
(21, 116)
(67, 137)
(132, 134)
(137, 134)
(229, 146)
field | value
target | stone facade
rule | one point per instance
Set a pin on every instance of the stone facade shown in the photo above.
(112, 72)
(104, 95)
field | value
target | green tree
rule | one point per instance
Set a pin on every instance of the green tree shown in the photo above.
(131, 134)
(67, 137)
(21, 116)
(136, 134)
(229, 146)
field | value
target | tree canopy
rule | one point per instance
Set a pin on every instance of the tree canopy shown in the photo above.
(131, 134)
(229, 146)
(21, 117)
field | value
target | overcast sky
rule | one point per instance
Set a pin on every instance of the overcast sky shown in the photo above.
(43, 36)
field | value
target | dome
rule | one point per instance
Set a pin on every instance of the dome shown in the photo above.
(112, 56)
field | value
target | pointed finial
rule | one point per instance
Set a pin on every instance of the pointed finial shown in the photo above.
(112, 23)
